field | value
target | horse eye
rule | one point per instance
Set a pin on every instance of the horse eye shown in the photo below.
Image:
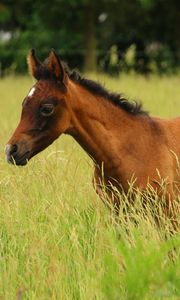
(47, 109)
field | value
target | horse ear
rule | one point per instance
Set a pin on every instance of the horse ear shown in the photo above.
(56, 68)
(33, 63)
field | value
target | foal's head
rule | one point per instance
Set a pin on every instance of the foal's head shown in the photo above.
(45, 112)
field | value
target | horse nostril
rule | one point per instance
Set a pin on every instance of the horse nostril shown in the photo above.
(11, 149)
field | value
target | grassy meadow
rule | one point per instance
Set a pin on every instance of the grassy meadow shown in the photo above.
(57, 239)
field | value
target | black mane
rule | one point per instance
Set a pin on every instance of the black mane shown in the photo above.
(117, 99)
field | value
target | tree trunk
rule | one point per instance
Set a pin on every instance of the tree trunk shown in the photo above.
(90, 60)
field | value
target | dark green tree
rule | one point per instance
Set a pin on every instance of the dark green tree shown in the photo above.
(83, 31)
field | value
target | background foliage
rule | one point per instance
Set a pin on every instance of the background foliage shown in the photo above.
(140, 35)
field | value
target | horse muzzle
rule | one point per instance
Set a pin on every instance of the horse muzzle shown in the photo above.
(16, 154)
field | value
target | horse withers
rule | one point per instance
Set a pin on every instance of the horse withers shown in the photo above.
(117, 134)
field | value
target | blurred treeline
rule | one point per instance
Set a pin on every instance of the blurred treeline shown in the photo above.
(104, 35)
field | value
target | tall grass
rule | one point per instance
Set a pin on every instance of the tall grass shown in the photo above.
(57, 239)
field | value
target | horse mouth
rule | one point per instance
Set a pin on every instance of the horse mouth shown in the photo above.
(19, 160)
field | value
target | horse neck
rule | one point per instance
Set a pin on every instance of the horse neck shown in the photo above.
(97, 123)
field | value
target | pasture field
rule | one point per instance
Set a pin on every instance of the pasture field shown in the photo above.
(57, 240)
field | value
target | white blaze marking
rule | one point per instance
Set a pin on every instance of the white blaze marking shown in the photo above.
(31, 92)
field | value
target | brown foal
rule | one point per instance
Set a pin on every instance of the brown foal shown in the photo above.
(122, 139)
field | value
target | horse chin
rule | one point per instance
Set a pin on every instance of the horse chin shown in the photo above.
(22, 163)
